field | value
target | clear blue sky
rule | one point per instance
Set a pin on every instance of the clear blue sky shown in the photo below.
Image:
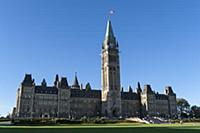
(159, 43)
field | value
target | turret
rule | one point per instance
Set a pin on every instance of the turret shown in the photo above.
(75, 84)
(56, 80)
(169, 91)
(138, 89)
(28, 81)
(44, 83)
(25, 94)
(141, 107)
(63, 83)
(130, 89)
(148, 101)
(63, 98)
(147, 89)
(172, 101)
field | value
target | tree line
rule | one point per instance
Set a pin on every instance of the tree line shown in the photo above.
(185, 110)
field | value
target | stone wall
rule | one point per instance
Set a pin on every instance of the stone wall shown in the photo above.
(162, 107)
(45, 105)
(130, 108)
(85, 107)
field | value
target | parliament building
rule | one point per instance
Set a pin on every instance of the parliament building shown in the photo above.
(63, 100)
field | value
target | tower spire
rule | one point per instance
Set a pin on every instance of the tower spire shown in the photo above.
(111, 74)
(109, 37)
(109, 30)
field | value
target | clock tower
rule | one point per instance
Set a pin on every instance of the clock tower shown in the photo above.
(111, 95)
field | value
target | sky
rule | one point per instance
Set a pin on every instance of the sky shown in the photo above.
(159, 43)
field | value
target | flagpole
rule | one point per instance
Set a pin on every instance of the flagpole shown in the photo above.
(111, 12)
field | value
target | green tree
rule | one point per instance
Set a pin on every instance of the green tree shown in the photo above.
(183, 107)
(88, 87)
(195, 111)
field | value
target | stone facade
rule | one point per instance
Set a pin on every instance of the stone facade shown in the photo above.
(155, 104)
(73, 101)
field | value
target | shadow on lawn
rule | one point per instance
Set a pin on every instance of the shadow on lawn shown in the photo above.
(100, 130)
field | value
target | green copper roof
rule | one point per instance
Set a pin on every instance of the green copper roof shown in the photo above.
(109, 30)
(109, 37)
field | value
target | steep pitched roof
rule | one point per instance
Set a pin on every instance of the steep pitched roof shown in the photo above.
(169, 91)
(75, 84)
(109, 30)
(28, 81)
(109, 36)
(64, 83)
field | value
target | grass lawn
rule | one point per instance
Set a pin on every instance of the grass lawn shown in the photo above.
(107, 128)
